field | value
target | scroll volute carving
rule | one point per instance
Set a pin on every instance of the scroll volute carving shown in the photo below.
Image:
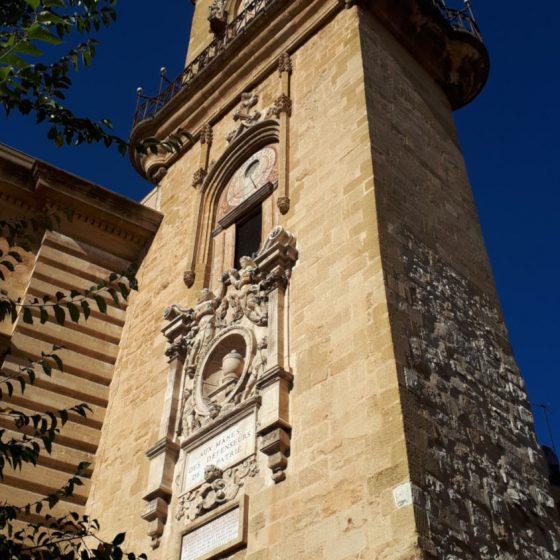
(231, 337)
(226, 360)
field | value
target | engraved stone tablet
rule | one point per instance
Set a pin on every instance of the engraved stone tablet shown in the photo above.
(224, 450)
(213, 536)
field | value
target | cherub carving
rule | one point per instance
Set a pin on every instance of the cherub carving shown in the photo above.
(246, 115)
(248, 298)
(205, 315)
(189, 420)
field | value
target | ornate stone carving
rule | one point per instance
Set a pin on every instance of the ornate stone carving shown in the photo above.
(282, 104)
(198, 177)
(285, 63)
(227, 357)
(235, 320)
(246, 115)
(217, 17)
(206, 134)
(218, 488)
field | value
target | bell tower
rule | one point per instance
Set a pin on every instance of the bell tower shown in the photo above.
(332, 377)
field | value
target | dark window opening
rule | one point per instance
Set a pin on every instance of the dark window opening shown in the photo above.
(248, 236)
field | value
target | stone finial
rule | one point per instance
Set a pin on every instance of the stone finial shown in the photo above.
(198, 177)
(285, 63)
(188, 278)
(282, 104)
(283, 204)
(206, 134)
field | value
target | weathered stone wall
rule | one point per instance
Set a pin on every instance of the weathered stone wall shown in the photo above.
(403, 375)
(106, 233)
(481, 487)
(348, 450)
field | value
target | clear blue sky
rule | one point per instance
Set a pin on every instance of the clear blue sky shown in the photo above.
(509, 136)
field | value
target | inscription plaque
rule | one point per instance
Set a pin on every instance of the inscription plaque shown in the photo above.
(212, 536)
(224, 450)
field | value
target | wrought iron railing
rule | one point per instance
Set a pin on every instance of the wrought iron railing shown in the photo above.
(461, 19)
(148, 106)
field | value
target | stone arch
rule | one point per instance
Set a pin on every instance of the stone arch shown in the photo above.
(247, 143)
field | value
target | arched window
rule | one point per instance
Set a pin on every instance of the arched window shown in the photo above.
(245, 211)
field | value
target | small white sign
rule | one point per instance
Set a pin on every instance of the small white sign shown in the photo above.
(403, 495)
(224, 450)
(212, 536)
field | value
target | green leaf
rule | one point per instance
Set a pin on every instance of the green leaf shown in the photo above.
(27, 316)
(86, 309)
(73, 311)
(47, 368)
(59, 314)
(33, 3)
(119, 539)
(43, 315)
(38, 33)
(28, 48)
(58, 362)
(101, 304)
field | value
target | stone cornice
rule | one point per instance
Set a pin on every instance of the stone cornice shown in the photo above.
(33, 184)
(456, 60)
(244, 64)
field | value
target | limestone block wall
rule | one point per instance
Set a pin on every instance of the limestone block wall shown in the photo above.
(105, 235)
(88, 356)
(348, 448)
(482, 489)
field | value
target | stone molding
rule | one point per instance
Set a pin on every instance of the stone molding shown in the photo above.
(227, 356)
(257, 135)
(32, 184)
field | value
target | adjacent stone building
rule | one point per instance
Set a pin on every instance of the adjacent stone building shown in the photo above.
(316, 364)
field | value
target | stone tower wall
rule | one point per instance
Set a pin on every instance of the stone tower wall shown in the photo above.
(410, 424)
(348, 449)
(482, 490)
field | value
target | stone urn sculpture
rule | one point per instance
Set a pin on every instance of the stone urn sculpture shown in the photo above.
(232, 367)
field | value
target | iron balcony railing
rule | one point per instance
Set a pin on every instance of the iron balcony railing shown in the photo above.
(461, 19)
(148, 106)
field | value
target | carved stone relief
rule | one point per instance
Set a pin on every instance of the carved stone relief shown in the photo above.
(219, 487)
(217, 17)
(246, 115)
(227, 369)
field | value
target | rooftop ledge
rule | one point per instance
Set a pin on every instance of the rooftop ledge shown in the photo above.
(445, 40)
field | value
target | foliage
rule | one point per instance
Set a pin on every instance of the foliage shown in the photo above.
(24, 535)
(34, 30)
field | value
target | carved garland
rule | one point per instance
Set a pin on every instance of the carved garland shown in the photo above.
(227, 360)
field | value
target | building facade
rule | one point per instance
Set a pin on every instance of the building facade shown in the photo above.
(316, 364)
